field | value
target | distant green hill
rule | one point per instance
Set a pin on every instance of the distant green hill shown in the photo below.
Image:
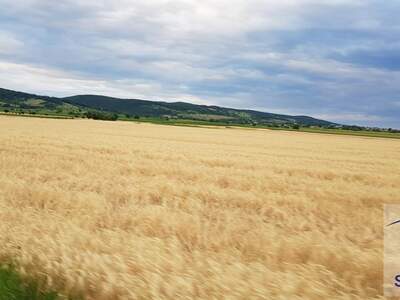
(78, 105)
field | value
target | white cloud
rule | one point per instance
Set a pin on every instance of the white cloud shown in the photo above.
(181, 17)
(9, 44)
(53, 82)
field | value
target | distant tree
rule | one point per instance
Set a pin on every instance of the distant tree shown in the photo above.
(352, 127)
(296, 126)
(136, 117)
(99, 115)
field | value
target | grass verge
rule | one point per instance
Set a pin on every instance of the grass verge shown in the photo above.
(12, 287)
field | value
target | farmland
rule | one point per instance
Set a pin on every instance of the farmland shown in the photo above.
(123, 210)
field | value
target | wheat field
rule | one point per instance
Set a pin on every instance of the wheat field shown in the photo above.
(120, 210)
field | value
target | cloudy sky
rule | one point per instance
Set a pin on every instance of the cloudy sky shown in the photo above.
(333, 59)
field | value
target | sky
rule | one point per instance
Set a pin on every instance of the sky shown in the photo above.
(337, 60)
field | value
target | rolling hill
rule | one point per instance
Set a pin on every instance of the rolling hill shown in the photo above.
(78, 105)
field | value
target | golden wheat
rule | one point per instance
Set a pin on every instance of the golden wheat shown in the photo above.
(118, 210)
